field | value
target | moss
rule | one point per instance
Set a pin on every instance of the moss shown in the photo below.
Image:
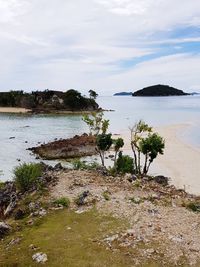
(106, 195)
(68, 239)
(62, 201)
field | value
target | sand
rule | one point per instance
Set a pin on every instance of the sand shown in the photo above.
(13, 110)
(180, 162)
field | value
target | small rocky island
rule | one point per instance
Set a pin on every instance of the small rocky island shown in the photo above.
(123, 94)
(49, 101)
(159, 90)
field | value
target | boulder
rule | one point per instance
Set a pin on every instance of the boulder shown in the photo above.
(4, 229)
(161, 180)
(40, 257)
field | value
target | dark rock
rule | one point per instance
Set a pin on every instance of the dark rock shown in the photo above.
(4, 229)
(58, 167)
(20, 214)
(12, 137)
(161, 180)
(81, 198)
(132, 178)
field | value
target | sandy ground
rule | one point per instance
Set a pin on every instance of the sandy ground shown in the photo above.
(13, 110)
(180, 162)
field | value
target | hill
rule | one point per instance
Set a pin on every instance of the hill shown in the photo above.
(159, 90)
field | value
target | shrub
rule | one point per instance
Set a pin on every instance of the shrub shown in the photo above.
(193, 206)
(27, 176)
(62, 201)
(106, 195)
(81, 165)
(124, 164)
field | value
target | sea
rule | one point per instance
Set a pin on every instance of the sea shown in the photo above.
(21, 131)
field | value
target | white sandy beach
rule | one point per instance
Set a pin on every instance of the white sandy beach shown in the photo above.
(13, 110)
(180, 162)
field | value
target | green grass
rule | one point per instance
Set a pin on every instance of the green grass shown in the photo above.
(66, 247)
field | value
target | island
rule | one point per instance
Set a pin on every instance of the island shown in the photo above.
(159, 90)
(48, 101)
(123, 94)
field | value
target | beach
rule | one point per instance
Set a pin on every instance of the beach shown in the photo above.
(180, 162)
(13, 110)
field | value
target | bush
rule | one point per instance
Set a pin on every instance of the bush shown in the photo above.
(106, 195)
(193, 206)
(124, 164)
(81, 165)
(26, 176)
(62, 201)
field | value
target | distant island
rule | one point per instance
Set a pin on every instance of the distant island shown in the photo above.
(49, 101)
(159, 90)
(123, 94)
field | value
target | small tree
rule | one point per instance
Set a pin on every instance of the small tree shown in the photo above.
(96, 123)
(118, 143)
(124, 164)
(104, 142)
(138, 131)
(145, 142)
(93, 94)
(151, 146)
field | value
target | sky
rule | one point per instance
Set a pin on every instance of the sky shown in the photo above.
(105, 45)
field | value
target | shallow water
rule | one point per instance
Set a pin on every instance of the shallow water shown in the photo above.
(28, 130)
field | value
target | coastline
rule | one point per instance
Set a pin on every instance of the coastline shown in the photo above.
(180, 161)
(14, 110)
(17, 110)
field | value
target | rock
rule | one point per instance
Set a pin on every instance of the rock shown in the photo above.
(33, 206)
(161, 180)
(4, 229)
(131, 177)
(78, 146)
(58, 167)
(20, 214)
(14, 241)
(12, 137)
(12, 204)
(153, 211)
(41, 212)
(81, 198)
(40, 257)
(111, 238)
(177, 239)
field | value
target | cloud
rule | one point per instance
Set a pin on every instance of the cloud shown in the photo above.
(103, 44)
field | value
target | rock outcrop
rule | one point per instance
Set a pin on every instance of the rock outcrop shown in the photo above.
(78, 146)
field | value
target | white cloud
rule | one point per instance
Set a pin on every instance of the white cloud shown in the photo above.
(81, 44)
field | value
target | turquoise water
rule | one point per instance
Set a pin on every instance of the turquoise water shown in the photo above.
(28, 130)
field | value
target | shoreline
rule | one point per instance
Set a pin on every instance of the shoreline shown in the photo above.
(180, 161)
(16, 110)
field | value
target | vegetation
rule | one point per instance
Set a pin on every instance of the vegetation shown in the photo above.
(118, 143)
(124, 164)
(27, 176)
(93, 94)
(193, 206)
(48, 100)
(106, 195)
(81, 165)
(65, 202)
(96, 123)
(145, 142)
(74, 232)
(104, 142)
(159, 90)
